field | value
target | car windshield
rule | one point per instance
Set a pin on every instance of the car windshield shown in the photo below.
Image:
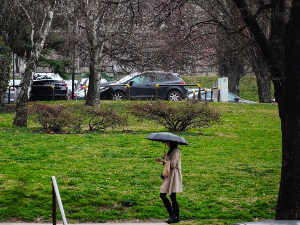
(232, 96)
(127, 78)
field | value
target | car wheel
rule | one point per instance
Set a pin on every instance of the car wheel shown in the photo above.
(174, 96)
(118, 95)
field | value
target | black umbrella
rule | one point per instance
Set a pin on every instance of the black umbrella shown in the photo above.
(165, 137)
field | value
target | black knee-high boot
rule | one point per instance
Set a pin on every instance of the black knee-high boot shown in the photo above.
(175, 207)
(167, 203)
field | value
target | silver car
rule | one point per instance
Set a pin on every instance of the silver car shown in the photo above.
(231, 97)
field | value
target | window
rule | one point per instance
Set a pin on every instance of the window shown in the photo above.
(141, 79)
(158, 77)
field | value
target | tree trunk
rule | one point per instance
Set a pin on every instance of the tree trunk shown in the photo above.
(287, 94)
(288, 205)
(262, 74)
(5, 61)
(20, 118)
(233, 69)
(93, 95)
(282, 55)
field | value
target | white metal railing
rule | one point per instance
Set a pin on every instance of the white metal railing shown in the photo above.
(55, 195)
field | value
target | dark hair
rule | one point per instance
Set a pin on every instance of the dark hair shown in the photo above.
(173, 145)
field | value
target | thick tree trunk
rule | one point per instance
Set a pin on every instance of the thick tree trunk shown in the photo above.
(233, 69)
(287, 91)
(20, 118)
(93, 95)
(262, 74)
(282, 55)
(288, 206)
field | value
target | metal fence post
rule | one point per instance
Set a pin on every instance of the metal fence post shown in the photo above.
(55, 196)
(52, 92)
(199, 93)
(128, 91)
(53, 205)
(8, 96)
(156, 91)
(85, 92)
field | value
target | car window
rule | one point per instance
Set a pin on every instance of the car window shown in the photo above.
(208, 95)
(161, 77)
(49, 82)
(141, 79)
(126, 78)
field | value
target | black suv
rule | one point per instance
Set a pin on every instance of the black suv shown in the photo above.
(146, 85)
(41, 90)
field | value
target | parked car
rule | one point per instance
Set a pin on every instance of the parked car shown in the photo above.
(143, 86)
(41, 90)
(43, 76)
(81, 92)
(231, 97)
(12, 95)
(271, 222)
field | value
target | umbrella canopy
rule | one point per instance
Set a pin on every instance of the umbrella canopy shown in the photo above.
(164, 137)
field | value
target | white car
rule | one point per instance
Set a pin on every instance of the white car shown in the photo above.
(82, 91)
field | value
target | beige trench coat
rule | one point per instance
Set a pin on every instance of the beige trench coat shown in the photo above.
(173, 182)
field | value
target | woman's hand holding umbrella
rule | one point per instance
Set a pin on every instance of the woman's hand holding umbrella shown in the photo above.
(160, 160)
(164, 155)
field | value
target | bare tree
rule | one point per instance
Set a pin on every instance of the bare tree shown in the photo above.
(37, 16)
(198, 34)
(281, 52)
(101, 26)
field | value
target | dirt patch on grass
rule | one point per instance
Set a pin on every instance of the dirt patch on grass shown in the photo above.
(225, 135)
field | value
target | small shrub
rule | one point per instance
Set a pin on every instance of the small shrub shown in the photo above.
(52, 117)
(179, 117)
(79, 117)
(102, 119)
(55, 117)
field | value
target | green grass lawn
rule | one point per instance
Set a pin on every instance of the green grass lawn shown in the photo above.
(231, 170)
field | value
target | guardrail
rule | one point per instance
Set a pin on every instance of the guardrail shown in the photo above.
(156, 92)
(56, 195)
(205, 95)
(199, 95)
(161, 85)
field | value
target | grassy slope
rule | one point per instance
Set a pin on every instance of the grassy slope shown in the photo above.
(230, 171)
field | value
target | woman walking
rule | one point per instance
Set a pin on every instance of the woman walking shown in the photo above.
(173, 182)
